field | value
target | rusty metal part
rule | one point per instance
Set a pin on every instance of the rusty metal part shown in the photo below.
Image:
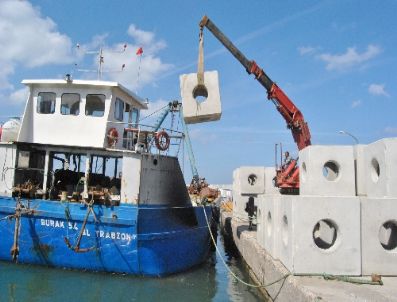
(77, 248)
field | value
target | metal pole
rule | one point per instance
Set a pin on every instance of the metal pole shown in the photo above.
(349, 134)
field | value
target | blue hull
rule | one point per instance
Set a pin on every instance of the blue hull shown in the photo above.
(139, 240)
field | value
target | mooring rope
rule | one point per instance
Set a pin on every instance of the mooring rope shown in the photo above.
(228, 268)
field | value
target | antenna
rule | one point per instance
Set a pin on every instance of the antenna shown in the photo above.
(101, 60)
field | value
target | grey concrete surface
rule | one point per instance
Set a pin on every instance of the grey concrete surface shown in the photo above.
(298, 288)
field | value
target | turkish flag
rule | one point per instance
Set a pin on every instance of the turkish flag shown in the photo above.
(139, 51)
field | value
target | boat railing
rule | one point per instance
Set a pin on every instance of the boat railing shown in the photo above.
(149, 139)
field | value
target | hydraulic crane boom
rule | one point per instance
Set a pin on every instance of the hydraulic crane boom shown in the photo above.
(287, 176)
(291, 114)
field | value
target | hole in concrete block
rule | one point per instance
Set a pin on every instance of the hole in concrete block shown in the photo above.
(200, 93)
(375, 170)
(269, 223)
(285, 230)
(388, 235)
(331, 170)
(325, 233)
(252, 179)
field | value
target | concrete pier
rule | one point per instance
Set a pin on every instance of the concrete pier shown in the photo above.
(266, 270)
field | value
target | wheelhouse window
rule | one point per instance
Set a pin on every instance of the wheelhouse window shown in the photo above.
(119, 110)
(70, 104)
(95, 105)
(134, 116)
(46, 102)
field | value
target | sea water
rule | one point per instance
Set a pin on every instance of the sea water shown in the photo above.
(208, 282)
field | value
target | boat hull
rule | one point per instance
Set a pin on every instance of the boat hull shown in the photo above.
(138, 240)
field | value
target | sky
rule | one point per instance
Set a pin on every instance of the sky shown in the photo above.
(336, 60)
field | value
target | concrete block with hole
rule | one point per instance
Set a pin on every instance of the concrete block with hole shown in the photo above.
(251, 180)
(327, 171)
(381, 168)
(200, 103)
(270, 216)
(320, 234)
(379, 235)
(361, 169)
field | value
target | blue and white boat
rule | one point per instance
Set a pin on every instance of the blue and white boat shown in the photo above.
(85, 186)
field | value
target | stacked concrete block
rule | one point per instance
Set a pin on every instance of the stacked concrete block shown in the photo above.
(209, 109)
(239, 204)
(269, 220)
(260, 217)
(270, 174)
(381, 168)
(327, 171)
(319, 235)
(379, 235)
(361, 171)
(251, 180)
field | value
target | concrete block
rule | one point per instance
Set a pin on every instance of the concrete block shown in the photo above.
(381, 166)
(209, 109)
(236, 183)
(251, 180)
(379, 235)
(320, 235)
(239, 204)
(327, 171)
(260, 224)
(270, 173)
(271, 204)
(359, 158)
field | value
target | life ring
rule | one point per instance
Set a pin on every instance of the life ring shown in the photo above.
(162, 140)
(113, 137)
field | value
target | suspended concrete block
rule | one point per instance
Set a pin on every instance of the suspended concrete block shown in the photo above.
(320, 235)
(379, 235)
(327, 171)
(200, 104)
(251, 180)
(381, 168)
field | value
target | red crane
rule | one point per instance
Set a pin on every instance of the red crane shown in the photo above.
(287, 176)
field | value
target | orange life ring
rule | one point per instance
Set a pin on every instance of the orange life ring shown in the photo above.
(113, 137)
(162, 140)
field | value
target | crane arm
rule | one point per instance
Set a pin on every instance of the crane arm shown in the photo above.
(291, 114)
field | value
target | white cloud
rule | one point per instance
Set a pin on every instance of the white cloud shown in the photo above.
(19, 96)
(306, 50)
(350, 58)
(356, 103)
(30, 39)
(153, 107)
(391, 130)
(139, 70)
(378, 89)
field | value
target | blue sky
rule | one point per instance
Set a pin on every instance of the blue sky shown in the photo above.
(335, 59)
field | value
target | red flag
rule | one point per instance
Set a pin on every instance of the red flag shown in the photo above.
(139, 51)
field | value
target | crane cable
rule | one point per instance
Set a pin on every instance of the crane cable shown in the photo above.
(200, 64)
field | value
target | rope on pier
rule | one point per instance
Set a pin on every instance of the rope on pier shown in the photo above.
(227, 267)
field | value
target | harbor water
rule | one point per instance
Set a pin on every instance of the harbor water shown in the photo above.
(208, 282)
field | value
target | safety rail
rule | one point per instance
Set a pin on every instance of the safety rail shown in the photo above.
(146, 139)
